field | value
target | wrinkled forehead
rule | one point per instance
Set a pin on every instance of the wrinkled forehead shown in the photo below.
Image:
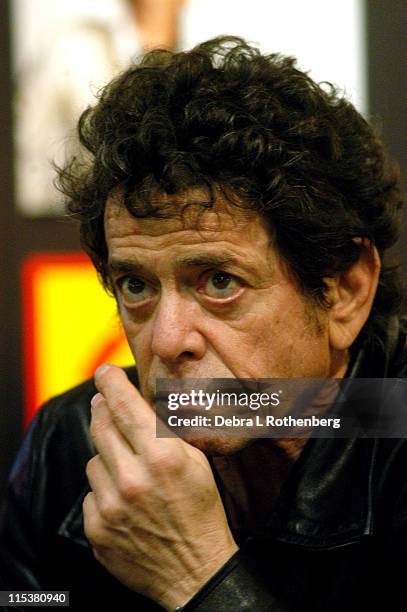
(185, 211)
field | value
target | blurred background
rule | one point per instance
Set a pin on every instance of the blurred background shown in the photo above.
(57, 324)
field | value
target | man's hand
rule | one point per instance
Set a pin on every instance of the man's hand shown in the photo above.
(154, 517)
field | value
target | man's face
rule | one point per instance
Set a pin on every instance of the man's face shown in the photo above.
(212, 300)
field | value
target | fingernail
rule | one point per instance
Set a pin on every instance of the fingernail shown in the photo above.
(101, 369)
(96, 399)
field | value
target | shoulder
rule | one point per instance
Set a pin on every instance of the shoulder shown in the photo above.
(390, 464)
(59, 432)
(73, 406)
(56, 448)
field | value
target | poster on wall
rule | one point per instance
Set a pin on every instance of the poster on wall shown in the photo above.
(65, 51)
(64, 344)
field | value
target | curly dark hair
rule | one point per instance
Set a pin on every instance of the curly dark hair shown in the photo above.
(224, 116)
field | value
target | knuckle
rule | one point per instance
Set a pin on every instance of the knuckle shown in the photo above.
(91, 464)
(120, 402)
(98, 425)
(162, 459)
(98, 539)
(121, 412)
(112, 514)
(94, 534)
(130, 488)
(92, 525)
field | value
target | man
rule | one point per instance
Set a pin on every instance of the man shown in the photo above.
(240, 214)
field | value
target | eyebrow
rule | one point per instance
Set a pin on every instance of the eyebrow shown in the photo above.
(129, 266)
(124, 266)
(206, 259)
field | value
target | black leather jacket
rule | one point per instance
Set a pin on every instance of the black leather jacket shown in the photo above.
(335, 541)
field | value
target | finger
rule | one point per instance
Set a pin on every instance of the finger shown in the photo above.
(109, 511)
(112, 446)
(94, 526)
(91, 517)
(133, 416)
(100, 480)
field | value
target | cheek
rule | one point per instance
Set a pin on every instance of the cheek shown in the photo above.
(281, 340)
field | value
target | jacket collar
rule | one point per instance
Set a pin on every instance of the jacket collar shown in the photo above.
(326, 501)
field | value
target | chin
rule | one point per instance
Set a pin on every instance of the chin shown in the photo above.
(218, 445)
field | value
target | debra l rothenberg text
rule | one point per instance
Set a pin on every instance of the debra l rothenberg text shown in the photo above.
(268, 421)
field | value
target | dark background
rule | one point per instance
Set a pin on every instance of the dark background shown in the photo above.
(386, 50)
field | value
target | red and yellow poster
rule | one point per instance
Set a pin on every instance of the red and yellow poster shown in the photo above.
(70, 326)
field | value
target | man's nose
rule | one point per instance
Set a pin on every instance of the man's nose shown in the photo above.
(176, 331)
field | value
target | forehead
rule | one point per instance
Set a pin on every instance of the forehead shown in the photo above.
(188, 220)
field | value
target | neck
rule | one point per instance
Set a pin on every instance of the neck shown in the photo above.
(249, 481)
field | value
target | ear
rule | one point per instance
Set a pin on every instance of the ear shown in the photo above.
(351, 296)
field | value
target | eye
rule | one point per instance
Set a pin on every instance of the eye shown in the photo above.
(133, 289)
(221, 285)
